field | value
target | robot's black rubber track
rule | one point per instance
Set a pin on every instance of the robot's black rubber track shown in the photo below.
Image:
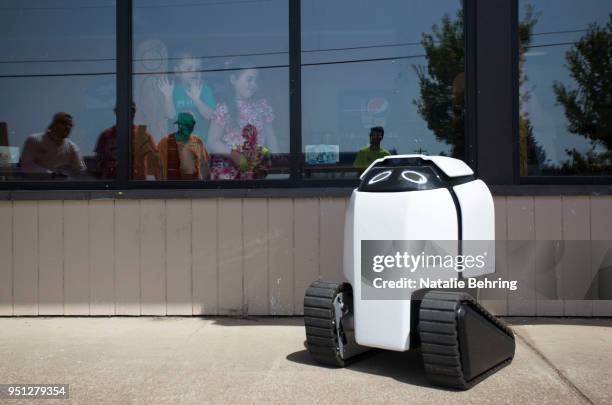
(321, 336)
(440, 340)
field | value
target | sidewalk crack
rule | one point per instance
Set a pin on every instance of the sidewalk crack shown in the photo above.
(559, 373)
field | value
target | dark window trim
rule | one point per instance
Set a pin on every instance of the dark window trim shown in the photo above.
(314, 191)
(295, 192)
(124, 92)
(494, 92)
(565, 180)
(552, 190)
(516, 109)
(471, 113)
(295, 89)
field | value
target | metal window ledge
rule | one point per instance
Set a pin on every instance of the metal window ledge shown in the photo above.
(294, 192)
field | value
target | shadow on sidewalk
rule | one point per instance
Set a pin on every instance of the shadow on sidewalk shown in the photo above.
(510, 320)
(405, 367)
(297, 321)
(576, 321)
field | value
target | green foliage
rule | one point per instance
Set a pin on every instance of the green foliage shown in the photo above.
(525, 29)
(588, 107)
(441, 83)
(590, 163)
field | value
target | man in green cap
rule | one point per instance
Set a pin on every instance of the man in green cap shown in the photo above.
(374, 151)
(182, 153)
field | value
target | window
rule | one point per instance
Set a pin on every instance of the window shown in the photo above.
(394, 64)
(57, 80)
(213, 84)
(565, 79)
(211, 93)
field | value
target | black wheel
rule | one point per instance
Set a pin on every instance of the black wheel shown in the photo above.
(461, 342)
(325, 337)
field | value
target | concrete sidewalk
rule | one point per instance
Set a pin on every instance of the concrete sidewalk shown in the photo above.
(263, 360)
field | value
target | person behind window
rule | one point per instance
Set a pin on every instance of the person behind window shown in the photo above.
(150, 61)
(145, 157)
(183, 154)
(52, 152)
(374, 151)
(251, 158)
(4, 134)
(189, 94)
(239, 109)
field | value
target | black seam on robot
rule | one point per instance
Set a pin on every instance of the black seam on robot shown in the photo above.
(459, 220)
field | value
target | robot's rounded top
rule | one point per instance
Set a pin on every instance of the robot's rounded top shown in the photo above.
(414, 172)
(451, 167)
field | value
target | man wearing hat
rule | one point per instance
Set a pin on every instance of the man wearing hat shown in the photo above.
(183, 154)
(52, 152)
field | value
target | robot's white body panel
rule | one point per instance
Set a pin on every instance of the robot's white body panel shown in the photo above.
(408, 215)
(478, 222)
(384, 216)
(477, 210)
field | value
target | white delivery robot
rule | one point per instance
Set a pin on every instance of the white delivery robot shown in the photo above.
(412, 198)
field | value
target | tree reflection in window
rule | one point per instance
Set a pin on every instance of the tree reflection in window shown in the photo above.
(565, 78)
(442, 83)
(588, 106)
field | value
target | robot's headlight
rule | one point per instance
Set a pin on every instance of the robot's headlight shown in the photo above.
(414, 177)
(380, 177)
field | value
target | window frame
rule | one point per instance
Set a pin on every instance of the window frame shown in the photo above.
(491, 117)
(124, 83)
(538, 180)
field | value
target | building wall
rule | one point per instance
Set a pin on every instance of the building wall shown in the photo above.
(252, 256)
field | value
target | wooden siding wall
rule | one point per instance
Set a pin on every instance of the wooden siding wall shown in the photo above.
(247, 256)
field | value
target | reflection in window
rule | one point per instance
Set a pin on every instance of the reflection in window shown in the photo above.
(398, 65)
(565, 77)
(57, 78)
(224, 70)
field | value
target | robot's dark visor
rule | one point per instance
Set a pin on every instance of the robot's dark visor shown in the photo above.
(400, 178)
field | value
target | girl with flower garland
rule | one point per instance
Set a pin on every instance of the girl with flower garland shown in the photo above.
(230, 117)
(251, 158)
